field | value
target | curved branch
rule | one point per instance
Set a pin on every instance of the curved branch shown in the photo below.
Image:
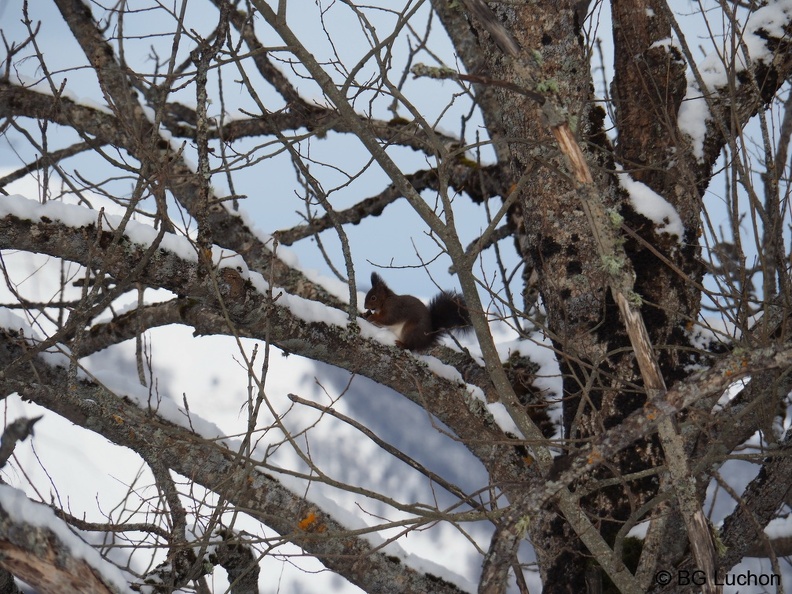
(46, 161)
(210, 304)
(685, 393)
(480, 183)
(128, 325)
(301, 114)
(731, 106)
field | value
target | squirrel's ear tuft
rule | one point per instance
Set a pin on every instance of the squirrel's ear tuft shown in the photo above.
(376, 280)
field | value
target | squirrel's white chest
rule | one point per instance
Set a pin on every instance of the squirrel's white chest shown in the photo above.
(396, 329)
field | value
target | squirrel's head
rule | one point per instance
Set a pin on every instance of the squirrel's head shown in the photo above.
(379, 290)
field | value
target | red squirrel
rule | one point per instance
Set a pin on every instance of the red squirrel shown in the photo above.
(415, 325)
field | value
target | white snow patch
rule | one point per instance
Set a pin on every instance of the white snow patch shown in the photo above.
(502, 417)
(702, 335)
(165, 406)
(305, 309)
(11, 321)
(653, 206)
(440, 369)
(335, 287)
(539, 349)
(667, 44)
(313, 311)
(778, 528)
(692, 119)
(423, 565)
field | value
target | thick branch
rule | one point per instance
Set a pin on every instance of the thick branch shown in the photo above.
(240, 562)
(256, 317)
(509, 532)
(127, 326)
(17, 431)
(732, 105)
(686, 393)
(39, 549)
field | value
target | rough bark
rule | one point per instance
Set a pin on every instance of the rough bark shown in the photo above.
(40, 558)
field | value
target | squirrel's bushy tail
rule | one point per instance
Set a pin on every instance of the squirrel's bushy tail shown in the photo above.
(448, 312)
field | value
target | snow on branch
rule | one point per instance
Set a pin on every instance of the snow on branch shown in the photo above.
(654, 207)
(40, 549)
(256, 310)
(761, 45)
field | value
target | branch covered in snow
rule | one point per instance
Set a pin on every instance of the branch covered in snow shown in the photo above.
(241, 298)
(41, 550)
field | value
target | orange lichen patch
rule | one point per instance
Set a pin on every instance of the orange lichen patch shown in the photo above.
(307, 521)
(311, 523)
(118, 419)
(594, 457)
(650, 412)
